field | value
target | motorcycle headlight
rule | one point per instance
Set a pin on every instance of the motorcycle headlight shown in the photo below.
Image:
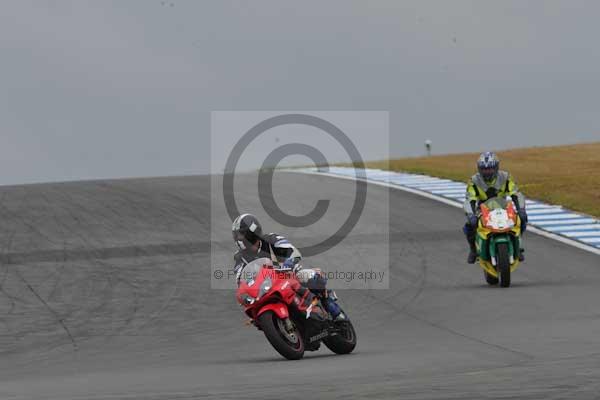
(265, 287)
(245, 299)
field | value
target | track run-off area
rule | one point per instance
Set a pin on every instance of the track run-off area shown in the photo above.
(105, 293)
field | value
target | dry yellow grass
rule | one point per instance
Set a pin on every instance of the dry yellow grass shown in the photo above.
(565, 175)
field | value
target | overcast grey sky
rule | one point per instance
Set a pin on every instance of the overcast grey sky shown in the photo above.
(93, 89)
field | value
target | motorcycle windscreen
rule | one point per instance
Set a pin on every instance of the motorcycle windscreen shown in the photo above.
(250, 271)
(496, 202)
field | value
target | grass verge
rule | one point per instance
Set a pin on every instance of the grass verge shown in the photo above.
(566, 175)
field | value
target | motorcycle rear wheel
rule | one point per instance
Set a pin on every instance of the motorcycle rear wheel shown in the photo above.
(345, 341)
(289, 344)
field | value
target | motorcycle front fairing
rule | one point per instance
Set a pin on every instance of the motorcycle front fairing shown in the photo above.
(498, 223)
(263, 288)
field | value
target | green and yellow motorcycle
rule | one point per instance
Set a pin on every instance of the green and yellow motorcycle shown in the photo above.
(498, 240)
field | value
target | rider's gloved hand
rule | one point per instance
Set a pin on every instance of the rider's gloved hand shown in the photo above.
(289, 263)
(473, 220)
(524, 218)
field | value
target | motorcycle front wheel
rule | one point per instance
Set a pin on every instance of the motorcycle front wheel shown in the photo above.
(287, 342)
(503, 265)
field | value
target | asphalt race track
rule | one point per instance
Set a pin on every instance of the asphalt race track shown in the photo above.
(105, 293)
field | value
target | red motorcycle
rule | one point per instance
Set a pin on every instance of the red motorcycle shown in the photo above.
(290, 315)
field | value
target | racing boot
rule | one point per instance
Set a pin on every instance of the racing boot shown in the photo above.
(472, 257)
(470, 235)
(472, 249)
(521, 250)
